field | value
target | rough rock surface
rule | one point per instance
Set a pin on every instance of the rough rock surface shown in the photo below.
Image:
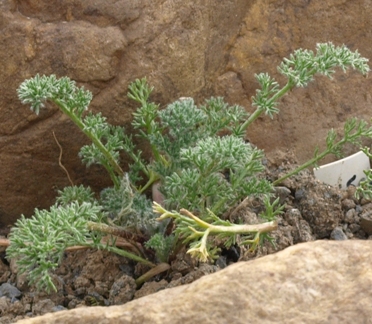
(317, 282)
(195, 49)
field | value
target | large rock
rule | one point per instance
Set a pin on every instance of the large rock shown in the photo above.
(184, 48)
(318, 282)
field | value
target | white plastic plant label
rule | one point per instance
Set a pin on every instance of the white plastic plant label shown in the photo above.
(345, 172)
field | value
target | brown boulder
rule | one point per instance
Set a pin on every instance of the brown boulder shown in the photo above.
(317, 282)
(195, 49)
(272, 30)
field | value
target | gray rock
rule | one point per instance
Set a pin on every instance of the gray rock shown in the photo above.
(43, 306)
(348, 204)
(122, 290)
(338, 234)
(4, 304)
(282, 193)
(58, 308)
(10, 291)
(350, 216)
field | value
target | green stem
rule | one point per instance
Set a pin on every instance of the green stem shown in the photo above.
(137, 160)
(311, 162)
(150, 130)
(232, 202)
(220, 203)
(95, 140)
(112, 174)
(153, 177)
(126, 254)
(275, 97)
(155, 153)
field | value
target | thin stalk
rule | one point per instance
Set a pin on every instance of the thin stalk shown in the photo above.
(112, 174)
(220, 203)
(126, 254)
(232, 202)
(275, 97)
(117, 231)
(144, 168)
(153, 177)
(95, 140)
(150, 129)
(155, 153)
(234, 228)
(309, 163)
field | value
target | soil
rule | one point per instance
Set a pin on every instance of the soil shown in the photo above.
(88, 278)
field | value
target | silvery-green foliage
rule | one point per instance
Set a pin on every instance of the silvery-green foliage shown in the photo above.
(112, 137)
(221, 116)
(140, 91)
(127, 208)
(301, 66)
(162, 245)
(300, 69)
(219, 171)
(37, 90)
(38, 243)
(144, 217)
(186, 123)
(74, 101)
(354, 131)
(76, 219)
(181, 124)
(262, 100)
(77, 194)
(181, 120)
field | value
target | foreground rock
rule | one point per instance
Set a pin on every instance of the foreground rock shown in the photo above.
(318, 282)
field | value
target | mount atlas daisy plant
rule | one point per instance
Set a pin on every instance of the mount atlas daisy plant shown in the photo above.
(199, 158)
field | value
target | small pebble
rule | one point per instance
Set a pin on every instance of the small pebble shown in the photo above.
(9, 291)
(350, 215)
(221, 262)
(338, 234)
(282, 193)
(348, 204)
(43, 306)
(350, 192)
(299, 194)
(293, 216)
(58, 308)
(354, 228)
(358, 209)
